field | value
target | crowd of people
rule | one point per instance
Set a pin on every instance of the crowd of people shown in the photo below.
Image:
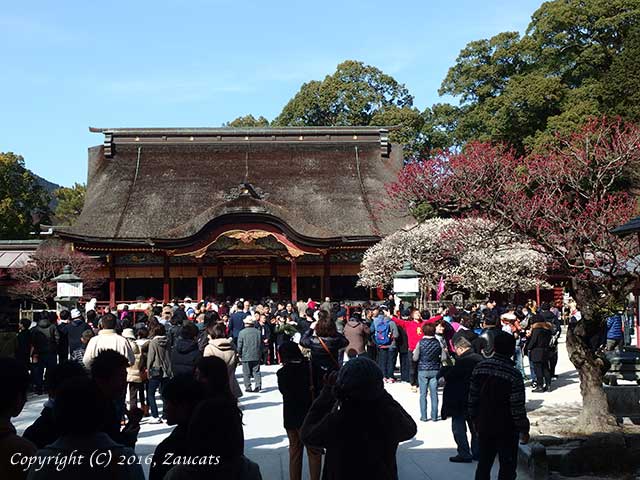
(334, 363)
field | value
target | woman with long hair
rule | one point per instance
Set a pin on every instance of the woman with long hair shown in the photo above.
(222, 347)
(324, 341)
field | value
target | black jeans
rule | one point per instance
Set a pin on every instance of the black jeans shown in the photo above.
(543, 373)
(405, 367)
(413, 373)
(372, 352)
(136, 391)
(45, 362)
(553, 361)
(264, 354)
(155, 384)
(506, 447)
(459, 426)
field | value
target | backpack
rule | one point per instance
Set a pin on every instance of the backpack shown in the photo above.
(383, 336)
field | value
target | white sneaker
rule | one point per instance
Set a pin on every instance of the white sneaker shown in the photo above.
(155, 420)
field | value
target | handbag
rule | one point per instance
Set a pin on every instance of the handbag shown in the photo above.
(155, 372)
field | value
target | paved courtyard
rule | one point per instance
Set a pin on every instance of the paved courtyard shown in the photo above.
(424, 457)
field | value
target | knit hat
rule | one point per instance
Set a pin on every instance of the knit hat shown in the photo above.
(360, 379)
(75, 313)
(249, 320)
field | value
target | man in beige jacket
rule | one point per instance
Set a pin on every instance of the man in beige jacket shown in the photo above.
(108, 339)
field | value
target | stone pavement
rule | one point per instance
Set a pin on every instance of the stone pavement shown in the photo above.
(424, 457)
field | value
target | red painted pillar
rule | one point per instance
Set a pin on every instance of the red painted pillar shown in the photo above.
(112, 280)
(294, 281)
(538, 294)
(200, 286)
(166, 281)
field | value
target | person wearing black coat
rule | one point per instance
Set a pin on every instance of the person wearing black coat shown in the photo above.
(489, 331)
(556, 330)
(324, 341)
(265, 334)
(44, 337)
(236, 320)
(23, 343)
(174, 326)
(75, 329)
(455, 396)
(185, 353)
(539, 351)
(402, 345)
(360, 437)
(63, 333)
(294, 385)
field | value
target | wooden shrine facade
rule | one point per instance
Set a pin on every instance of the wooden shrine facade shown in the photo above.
(240, 263)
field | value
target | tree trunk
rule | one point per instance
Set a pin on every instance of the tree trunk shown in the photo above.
(595, 416)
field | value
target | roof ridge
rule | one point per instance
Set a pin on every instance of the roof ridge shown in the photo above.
(243, 130)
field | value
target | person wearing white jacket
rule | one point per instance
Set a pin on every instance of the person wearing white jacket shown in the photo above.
(108, 339)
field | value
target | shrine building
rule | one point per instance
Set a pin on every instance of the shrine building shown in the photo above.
(221, 212)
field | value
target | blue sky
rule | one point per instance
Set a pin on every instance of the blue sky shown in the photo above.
(69, 65)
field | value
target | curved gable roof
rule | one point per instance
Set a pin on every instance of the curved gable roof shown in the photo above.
(169, 184)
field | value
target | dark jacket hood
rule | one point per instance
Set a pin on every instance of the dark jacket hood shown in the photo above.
(44, 323)
(77, 322)
(184, 346)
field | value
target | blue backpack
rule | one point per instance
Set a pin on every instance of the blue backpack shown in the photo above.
(383, 336)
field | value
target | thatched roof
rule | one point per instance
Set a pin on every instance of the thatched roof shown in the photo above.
(167, 185)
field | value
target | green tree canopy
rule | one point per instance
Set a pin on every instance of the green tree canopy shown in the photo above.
(621, 92)
(23, 202)
(70, 203)
(248, 121)
(356, 94)
(577, 59)
(352, 95)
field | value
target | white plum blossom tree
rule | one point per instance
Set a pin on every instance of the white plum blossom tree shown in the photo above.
(469, 253)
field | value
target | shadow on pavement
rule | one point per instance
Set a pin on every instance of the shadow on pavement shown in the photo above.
(159, 431)
(263, 441)
(253, 406)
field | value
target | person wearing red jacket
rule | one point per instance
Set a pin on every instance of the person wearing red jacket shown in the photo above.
(413, 327)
